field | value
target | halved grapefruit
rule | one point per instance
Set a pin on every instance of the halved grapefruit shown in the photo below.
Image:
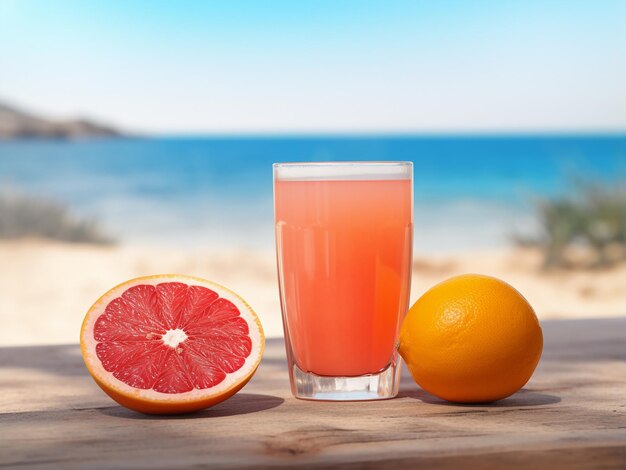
(171, 344)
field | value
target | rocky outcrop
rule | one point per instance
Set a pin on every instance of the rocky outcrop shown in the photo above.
(17, 124)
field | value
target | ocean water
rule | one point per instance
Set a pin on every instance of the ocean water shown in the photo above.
(470, 192)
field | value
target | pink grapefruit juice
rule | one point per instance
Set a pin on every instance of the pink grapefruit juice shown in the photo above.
(344, 254)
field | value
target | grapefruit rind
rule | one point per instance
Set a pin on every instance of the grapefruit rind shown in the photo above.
(152, 401)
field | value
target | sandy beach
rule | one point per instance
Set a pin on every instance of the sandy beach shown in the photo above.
(46, 287)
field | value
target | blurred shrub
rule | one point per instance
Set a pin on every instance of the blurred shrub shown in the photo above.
(27, 216)
(585, 229)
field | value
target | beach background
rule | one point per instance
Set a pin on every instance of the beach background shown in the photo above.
(204, 207)
(509, 116)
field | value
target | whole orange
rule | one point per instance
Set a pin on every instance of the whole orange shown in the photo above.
(471, 339)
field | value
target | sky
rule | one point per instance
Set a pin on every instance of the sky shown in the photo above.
(323, 66)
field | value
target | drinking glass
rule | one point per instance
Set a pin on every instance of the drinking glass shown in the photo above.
(344, 233)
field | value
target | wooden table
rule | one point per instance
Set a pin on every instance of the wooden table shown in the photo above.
(572, 414)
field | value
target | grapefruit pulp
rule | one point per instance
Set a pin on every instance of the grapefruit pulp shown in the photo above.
(171, 344)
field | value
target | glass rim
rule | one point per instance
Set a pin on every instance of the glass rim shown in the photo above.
(343, 170)
(346, 163)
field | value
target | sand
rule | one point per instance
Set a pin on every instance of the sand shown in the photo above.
(46, 287)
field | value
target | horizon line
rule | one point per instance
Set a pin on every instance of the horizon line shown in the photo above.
(380, 134)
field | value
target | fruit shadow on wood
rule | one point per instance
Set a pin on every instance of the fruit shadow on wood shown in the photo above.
(239, 404)
(521, 398)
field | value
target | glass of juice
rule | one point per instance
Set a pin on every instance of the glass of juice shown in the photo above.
(344, 233)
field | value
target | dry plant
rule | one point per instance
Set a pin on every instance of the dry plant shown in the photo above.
(586, 228)
(28, 216)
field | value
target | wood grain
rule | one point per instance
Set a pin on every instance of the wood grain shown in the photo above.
(572, 414)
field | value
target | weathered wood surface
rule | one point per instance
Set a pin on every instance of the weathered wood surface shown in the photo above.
(572, 414)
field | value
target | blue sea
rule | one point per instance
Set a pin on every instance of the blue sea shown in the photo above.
(470, 192)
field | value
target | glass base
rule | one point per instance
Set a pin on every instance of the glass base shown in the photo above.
(380, 386)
